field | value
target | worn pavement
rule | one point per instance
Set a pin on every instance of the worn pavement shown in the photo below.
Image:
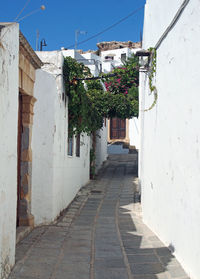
(100, 236)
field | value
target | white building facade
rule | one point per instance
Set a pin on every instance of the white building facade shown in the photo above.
(169, 167)
(9, 61)
(38, 176)
(111, 59)
(94, 63)
(114, 58)
(51, 146)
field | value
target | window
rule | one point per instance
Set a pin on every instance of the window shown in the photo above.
(78, 146)
(123, 57)
(109, 57)
(70, 146)
(100, 68)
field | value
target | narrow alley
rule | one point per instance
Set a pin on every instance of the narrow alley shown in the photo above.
(100, 235)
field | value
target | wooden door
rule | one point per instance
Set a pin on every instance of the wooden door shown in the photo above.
(117, 128)
(19, 155)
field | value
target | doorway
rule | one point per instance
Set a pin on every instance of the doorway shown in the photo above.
(19, 138)
(117, 128)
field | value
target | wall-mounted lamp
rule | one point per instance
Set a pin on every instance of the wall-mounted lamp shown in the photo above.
(42, 43)
(144, 58)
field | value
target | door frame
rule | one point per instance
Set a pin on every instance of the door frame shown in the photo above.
(118, 128)
(19, 141)
(125, 140)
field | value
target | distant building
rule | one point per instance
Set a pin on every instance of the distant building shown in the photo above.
(113, 54)
(109, 56)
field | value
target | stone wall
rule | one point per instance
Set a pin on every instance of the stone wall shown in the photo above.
(116, 45)
(28, 63)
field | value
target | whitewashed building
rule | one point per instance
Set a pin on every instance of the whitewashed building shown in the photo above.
(113, 58)
(56, 159)
(38, 166)
(170, 135)
(109, 56)
(9, 44)
(94, 63)
(113, 54)
(19, 63)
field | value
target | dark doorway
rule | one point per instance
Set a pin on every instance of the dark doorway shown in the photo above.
(117, 128)
(20, 127)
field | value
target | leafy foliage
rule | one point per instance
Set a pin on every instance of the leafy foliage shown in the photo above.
(125, 77)
(123, 87)
(89, 102)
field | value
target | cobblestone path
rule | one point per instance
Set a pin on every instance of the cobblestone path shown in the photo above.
(100, 236)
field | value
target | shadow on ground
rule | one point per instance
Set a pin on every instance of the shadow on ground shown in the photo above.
(101, 235)
(147, 256)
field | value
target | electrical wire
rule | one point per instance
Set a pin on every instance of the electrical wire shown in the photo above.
(108, 28)
(26, 4)
(31, 13)
(172, 24)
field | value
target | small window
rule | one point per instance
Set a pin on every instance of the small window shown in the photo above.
(100, 68)
(123, 57)
(70, 146)
(109, 57)
(78, 146)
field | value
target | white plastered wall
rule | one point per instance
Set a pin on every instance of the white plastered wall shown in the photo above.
(93, 61)
(9, 61)
(101, 146)
(134, 132)
(57, 177)
(108, 65)
(170, 135)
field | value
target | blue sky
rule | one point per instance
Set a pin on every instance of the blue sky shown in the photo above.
(57, 24)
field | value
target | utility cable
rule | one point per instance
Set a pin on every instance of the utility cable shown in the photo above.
(31, 13)
(26, 4)
(172, 24)
(108, 28)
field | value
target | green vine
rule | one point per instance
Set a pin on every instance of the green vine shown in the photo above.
(152, 73)
(82, 113)
(89, 102)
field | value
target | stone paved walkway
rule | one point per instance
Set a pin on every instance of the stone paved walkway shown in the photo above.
(100, 236)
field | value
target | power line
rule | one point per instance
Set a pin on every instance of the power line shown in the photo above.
(42, 8)
(26, 4)
(109, 27)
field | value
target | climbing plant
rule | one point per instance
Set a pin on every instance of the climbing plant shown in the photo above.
(81, 116)
(152, 73)
(123, 89)
(89, 101)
